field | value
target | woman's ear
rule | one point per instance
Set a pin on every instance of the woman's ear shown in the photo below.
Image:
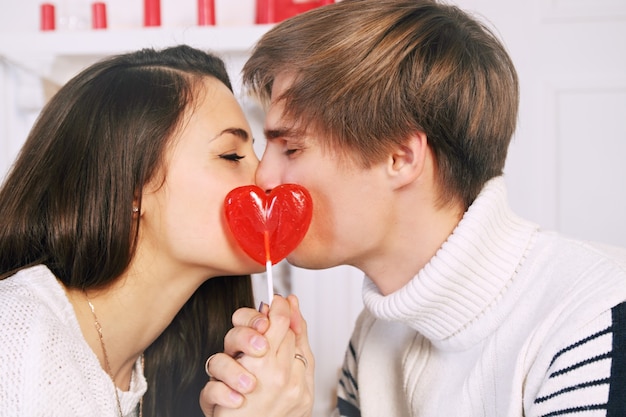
(407, 161)
(136, 203)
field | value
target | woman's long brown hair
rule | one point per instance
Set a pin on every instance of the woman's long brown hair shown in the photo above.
(67, 201)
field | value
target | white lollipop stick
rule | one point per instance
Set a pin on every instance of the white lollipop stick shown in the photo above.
(270, 282)
(268, 269)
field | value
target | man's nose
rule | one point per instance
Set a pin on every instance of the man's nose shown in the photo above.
(268, 172)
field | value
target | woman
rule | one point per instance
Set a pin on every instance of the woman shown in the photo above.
(113, 253)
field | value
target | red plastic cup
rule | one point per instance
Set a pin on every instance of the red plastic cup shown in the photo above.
(152, 13)
(273, 11)
(265, 11)
(47, 17)
(206, 12)
(98, 15)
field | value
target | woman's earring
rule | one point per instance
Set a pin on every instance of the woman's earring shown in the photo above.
(135, 209)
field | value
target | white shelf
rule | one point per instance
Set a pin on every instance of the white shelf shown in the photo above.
(106, 42)
(39, 52)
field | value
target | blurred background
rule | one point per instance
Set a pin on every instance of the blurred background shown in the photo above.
(566, 166)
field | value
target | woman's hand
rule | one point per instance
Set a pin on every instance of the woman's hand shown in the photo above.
(245, 338)
(273, 379)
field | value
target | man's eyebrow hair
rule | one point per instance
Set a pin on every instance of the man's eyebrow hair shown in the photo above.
(283, 132)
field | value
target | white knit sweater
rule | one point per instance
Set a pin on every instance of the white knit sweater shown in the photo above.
(505, 321)
(46, 366)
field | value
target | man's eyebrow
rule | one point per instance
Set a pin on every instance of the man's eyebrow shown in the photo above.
(283, 132)
(241, 133)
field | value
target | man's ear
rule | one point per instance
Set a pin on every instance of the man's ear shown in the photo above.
(407, 161)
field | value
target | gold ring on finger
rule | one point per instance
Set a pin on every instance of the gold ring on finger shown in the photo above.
(301, 358)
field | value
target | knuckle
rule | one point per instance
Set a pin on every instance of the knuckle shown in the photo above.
(243, 316)
(280, 321)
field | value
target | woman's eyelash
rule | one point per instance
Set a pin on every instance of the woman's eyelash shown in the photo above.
(232, 157)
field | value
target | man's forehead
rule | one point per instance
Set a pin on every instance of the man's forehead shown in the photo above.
(282, 81)
(275, 116)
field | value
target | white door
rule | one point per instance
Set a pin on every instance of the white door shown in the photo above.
(565, 168)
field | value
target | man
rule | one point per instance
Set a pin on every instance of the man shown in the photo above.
(397, 116)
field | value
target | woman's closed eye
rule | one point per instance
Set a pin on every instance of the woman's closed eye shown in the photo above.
(232, 157)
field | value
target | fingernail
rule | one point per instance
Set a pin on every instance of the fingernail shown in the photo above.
(235, 397)
(258, 323)
(258, 342)
(245, 382)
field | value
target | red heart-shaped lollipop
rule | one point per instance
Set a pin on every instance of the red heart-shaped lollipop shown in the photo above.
(268, 226)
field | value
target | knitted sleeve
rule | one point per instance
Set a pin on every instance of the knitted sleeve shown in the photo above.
(46, 366)
(589, 374)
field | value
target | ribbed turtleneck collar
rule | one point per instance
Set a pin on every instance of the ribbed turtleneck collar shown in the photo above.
(467, 276)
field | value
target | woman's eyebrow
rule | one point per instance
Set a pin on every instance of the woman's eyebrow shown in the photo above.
(240, 133)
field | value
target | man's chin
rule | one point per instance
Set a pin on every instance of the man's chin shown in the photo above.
(300, 259)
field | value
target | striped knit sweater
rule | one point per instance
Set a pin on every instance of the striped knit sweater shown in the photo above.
(505, 321)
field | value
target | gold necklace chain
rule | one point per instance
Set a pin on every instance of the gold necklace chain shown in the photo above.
(104, 352)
